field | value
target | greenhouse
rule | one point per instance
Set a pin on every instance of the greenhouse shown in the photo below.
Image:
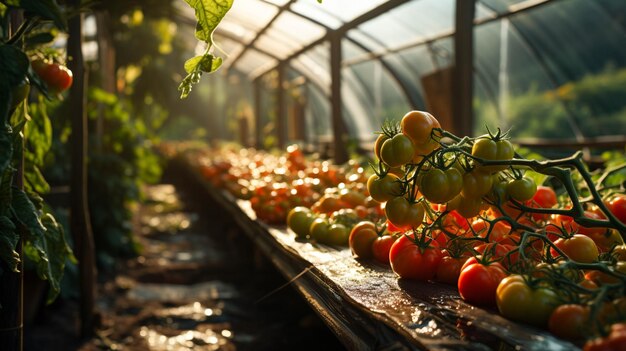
(312, 174)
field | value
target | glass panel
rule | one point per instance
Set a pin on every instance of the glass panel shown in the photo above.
(252, 61)
(501, 6)
(281, 48)
(347, 10)
(317, 115)
(412, 21)
(232, 29)
(298, 29)
(316, 12)
(251, 13)
(228, 45)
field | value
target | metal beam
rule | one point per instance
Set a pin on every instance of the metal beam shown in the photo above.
(339, 128)
(377, 11)
(281, 9)
(513, 10)
(463, 75)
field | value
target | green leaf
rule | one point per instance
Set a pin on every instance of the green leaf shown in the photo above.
(205, 63)
(6, 181)
(58, 254)
(8, 243)
(12, 71)
(47, 9)
(209, 13)
(6, 147)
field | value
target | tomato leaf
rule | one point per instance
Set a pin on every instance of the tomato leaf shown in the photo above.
(8, 243)
(59, 253)
(5, 192)
(209, 13)
(38, 39)
(6, 148)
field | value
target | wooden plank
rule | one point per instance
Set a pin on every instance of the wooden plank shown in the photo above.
(369, 307)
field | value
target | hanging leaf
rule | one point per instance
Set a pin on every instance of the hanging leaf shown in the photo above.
(209, 13)
(38, 39)
(5, 191)
(6, 148)
(8, 243)
(12, 71)
(59, 253)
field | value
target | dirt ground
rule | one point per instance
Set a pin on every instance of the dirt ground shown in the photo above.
(198, 284)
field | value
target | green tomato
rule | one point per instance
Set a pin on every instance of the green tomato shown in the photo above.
(476, 184)
(491, 150)
(516, 300)
(319, 230)
(397, 151)
(384, 188)
(440, 186)
(338, 234)
(299, 220)
(521, 189)
(403, 214)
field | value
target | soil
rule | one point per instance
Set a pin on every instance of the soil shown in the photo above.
(198, 284)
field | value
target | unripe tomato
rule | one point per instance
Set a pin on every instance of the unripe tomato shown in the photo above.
(491, 150)
(516, 300)
(403, 214)
(521, 189)
(379, 144)
(299, 220)
(476, 184)
(440, 186)
(338, 234)
(319, 230)
(58, 78)
(397, 151)
(384, 188)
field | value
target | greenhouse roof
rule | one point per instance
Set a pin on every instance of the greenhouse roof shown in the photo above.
(390, 50)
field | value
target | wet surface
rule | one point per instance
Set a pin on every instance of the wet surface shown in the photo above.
(199, 284)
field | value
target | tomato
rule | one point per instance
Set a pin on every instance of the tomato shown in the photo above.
(403, 214)
(58, 78)
(299, 219)
(522, 189)
(496, 232)
(440, 186)
(617, 206)
(412, 262)
(338, 234)
(478, 282)
(385, 188)
(569, 321)
(361, 238)
(352, 198)
(491, 150)
(469, 208)
(328, 203)
(601, 278)
(449, 269)
(381, 247)
(319, 230)
(501, 252)
(619, 252)
(476, 184)
(19, 93)
(518, 301)
(615, 341)
(545, 197)
(397, 151)
(579, 248)
(418, 126)
(379, 144)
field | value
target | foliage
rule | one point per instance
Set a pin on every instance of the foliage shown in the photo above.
(596, 104)
(22, 214)
(209, 14)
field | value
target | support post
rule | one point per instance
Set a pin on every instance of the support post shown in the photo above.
(463, 77)
(258, 127)
(339, 128)
(281, 118)
(80, 222)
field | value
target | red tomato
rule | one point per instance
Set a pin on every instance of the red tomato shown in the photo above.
(545, 197)
(499, 231)
(617, 206)
(449, 269)
(412, 262)
(569, 321)
(381, 247)
(615, 341)
(58, 78)
(478, 282)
